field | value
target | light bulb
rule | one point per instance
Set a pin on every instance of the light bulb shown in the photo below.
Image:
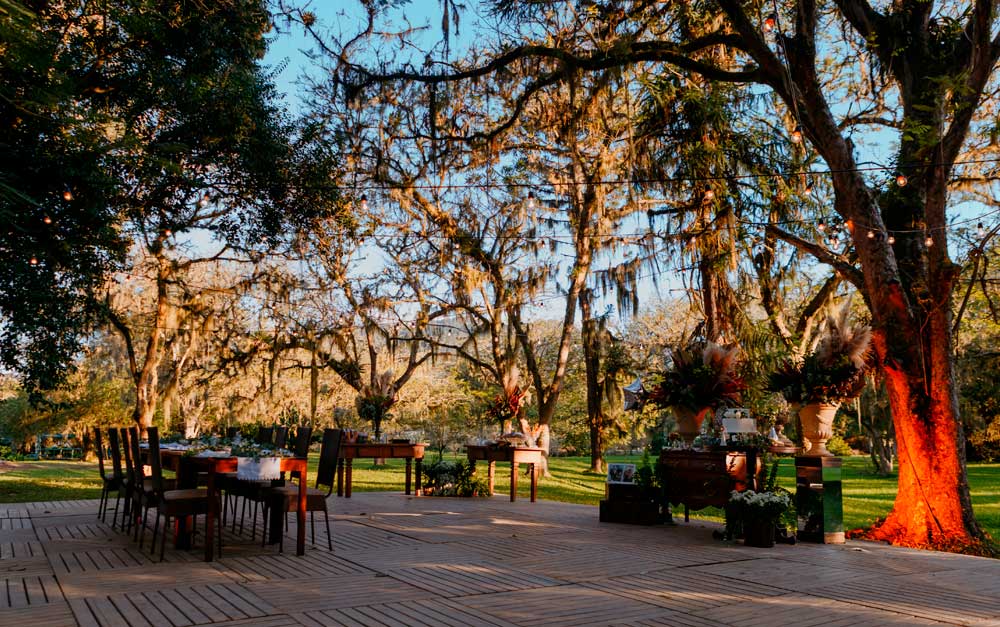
(871, 234)
(531, 200)
(48, 220)
(364, 202)
(709, 194)
(770, 22)
(980, 230)
(203, 200)
(167, 232)
(808, 190)
(797, 135)
(68, 195)
(901, 180)
(821, 226)
(929, 241)
(33, 261)
(891, 240)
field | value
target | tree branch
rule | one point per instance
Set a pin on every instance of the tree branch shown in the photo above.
(838, 262)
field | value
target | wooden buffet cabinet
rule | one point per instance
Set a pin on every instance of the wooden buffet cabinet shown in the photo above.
(703, 478)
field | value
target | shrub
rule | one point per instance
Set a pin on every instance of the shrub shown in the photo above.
(457, 478)
(984, 444)
(838, 446)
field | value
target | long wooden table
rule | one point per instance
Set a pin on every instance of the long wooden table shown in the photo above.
(187, 468)
(516, 457)
(351, 451)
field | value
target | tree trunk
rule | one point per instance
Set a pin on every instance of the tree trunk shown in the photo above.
(146, 380)
(592, 361)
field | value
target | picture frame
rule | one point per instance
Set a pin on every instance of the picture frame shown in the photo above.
(621, 473)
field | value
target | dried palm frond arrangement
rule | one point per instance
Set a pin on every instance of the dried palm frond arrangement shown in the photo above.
(701, 374)
(834, 372)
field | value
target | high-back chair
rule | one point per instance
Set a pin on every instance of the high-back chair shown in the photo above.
(265, 435)
(280, 436)
(114, 440)
(128, 487)
(174, 503)
(326, 475)
(231, 432)
(110, 482)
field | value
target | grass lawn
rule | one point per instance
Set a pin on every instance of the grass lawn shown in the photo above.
(866, 495)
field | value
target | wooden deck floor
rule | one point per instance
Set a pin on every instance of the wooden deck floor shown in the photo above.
(456, 562)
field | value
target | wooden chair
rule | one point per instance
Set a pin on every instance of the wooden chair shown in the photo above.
(231, 432)
(303, 437)
(326, 475)
(174, 503)
(133, 480)
(108, 483)
(280, 437)
(114, 439)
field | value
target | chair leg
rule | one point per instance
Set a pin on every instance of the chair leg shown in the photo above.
(329, 537)
(142, 526)
(166, 532)
(312, 524)
(243, 515)
(100, 504)
(114, 518)
(156, 527)
(253, 528)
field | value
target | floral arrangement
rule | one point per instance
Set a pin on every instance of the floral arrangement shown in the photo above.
(702, 374)
(507, 407)
(256, 451)
(750, 505)
(834, 372)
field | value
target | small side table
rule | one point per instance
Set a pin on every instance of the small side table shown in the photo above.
(516, 457)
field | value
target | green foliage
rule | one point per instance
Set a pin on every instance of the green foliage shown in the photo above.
(454, 478)
(984, 444)
(838, 446)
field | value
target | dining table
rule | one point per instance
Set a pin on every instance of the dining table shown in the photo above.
(515, 455)
(187, 468)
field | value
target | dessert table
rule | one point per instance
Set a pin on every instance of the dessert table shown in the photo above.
(349, 451)
(515, 456)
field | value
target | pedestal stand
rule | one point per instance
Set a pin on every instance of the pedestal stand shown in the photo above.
(819, 499)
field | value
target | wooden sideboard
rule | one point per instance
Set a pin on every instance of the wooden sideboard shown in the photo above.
(700, 478)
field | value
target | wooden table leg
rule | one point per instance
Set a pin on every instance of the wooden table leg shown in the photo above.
(210, 514)
(300, 541)
(340, 477)
(348, 475)
(534, 482)
(491, 475)
(513, 481)
(420, 470)
(409, 473)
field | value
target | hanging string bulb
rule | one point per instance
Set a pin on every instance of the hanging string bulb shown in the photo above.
(203, 201)
(770, 22)
(821, 226)
(871, 234)
(901, 180)
(67, 194)
(891, 240)
(797, 135)
(48, 220)
(709, 194)
(364, 202)
(929, 241)
(33, 261)
(167, 232)
(809, 187)
(531, 200)
(980, 230)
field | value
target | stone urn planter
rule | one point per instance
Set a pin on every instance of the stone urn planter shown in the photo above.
(817, 428)
(689, 422)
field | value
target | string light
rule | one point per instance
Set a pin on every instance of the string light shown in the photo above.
(203, 201)
(821, 226)
(709, 193)
(33, 261)
(797, 135)
(167, 232)
(901, 180)
(364, 203)
(67, 195)
(929, 241)
(48, 220)
(531, 200)
(871, 234)
(980, 230)
(891, 239)
(809, 189)
(770, 22)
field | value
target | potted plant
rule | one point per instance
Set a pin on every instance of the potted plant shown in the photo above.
(701, 378)
(831, 374)
(756, 515)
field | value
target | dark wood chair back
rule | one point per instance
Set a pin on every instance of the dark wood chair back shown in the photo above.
(126, 447)
(326, 474)
(302, 437)
(116, 452)
(138, 466)
(156, 476)
(231, 432)
(280, 437)
(100, 452)
(265, 435)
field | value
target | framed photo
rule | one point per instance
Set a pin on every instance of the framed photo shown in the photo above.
(621, 473)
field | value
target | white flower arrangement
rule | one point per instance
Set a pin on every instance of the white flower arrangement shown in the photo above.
(759, 505)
